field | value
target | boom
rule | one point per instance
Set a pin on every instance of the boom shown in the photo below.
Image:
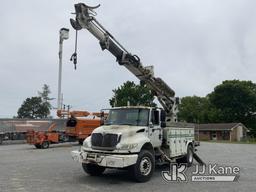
(85, 18)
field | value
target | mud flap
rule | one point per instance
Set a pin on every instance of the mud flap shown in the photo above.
(198, 159)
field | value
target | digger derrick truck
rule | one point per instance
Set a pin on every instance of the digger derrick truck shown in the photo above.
(134, 138)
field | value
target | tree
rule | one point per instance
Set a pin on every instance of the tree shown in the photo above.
(33, 108)
(132, 93)
(196, 110)
(236, 102)
(45, 95)
(36, 107)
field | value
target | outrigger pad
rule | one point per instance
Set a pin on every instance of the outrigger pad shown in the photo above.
(198, 159)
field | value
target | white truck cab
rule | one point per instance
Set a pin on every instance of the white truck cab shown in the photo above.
(135, 138)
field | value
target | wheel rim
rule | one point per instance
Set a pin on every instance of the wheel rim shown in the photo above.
(145, 166)
(45, 145)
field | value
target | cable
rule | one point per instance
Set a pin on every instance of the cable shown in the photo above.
(74, 55)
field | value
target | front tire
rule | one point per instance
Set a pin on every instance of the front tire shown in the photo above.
(93, 169)
(144, 167)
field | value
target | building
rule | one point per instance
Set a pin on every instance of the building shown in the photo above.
(221, 131)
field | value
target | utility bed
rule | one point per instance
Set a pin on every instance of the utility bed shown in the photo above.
(177, 136)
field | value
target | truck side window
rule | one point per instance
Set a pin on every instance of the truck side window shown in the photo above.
(155, 117)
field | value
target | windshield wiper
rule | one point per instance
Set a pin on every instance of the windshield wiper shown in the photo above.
(108, 123)
(125, 124)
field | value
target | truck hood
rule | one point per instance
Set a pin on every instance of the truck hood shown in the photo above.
(125, 130)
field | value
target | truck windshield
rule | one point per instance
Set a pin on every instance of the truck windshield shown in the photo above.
(133, 117)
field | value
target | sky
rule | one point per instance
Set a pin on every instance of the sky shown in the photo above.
(194, 45)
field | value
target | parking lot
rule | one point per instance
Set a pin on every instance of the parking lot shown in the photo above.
(26, 169)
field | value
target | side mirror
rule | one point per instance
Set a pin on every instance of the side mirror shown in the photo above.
(151, 125)
(162, 116)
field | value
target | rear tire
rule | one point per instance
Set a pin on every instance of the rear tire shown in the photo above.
(188, 158)
(144, 167)
(93, 169)
(45, 145)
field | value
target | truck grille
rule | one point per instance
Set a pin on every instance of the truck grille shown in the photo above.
(104, 141)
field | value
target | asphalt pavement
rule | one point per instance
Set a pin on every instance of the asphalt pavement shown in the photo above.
(26, 169)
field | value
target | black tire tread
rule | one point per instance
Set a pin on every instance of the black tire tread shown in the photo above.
(93, 169)
(134, 169)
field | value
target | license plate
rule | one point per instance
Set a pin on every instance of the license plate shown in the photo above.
(91, 156)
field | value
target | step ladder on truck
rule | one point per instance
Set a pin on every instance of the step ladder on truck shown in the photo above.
(133, 137)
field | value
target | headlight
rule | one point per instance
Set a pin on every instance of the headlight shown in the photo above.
(87, 143)
(128, 146)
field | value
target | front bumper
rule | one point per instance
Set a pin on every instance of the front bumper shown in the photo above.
(105, 160)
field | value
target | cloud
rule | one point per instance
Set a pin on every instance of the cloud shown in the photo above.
(193, 45)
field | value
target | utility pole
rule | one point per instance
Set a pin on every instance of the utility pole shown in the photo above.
(64, 34)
